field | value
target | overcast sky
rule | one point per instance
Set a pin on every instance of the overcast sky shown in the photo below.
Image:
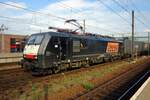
(110, 17)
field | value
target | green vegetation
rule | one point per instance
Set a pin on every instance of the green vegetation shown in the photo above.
(87, 86)
(84, 79)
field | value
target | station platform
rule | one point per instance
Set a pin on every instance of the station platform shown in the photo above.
(10, 57)
(143, 92)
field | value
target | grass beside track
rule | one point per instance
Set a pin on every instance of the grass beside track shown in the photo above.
(83, 79)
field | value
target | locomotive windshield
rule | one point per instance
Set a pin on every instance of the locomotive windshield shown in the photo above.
(35, 39)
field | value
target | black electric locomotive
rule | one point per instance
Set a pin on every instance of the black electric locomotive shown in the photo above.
(51, 52)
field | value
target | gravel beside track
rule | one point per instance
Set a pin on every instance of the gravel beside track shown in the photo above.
(114, 88)
(18, 79)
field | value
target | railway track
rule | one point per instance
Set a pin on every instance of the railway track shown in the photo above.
(16, 71)
(13, 77)
(18, 78)
(9, 66)
(121, 87)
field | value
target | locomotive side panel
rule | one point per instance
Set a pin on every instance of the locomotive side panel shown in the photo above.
(87, 48)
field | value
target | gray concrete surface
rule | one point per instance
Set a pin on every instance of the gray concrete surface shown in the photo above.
(10, 57)
(143, 92)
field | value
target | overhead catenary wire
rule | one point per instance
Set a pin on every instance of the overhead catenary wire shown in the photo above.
(138, 10)
(112, 10)
(41, 25)
(121, 6)
(61, 5)
(68, 6)
(44, 14)
(80, 10)
(144, 18)
(30, 10)
(20, 21)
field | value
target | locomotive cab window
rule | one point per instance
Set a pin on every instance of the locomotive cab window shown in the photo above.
(35, 39)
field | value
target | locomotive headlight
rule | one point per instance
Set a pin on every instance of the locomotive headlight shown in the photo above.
(68, 60)
(35, 57)
(87, 58)
(56, 46)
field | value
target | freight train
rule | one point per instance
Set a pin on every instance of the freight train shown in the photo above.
(51, 52)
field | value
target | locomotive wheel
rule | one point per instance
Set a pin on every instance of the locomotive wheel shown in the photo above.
(55, 70)
(25, 69)
(79, 64)
(112, 59)
(87, 64)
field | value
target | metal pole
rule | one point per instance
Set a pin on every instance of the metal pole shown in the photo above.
(2, 41)
(84, 26)
(148, 43)
(132, 49)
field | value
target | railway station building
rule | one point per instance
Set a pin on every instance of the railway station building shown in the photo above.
(10, 43)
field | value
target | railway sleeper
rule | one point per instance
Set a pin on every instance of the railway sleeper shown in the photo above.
(110, 97)
(100, 96)
(112, 88)
(103, 91)
(114, 94)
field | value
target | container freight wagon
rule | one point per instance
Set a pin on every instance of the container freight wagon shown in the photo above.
(146, 49)
(140, 48)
